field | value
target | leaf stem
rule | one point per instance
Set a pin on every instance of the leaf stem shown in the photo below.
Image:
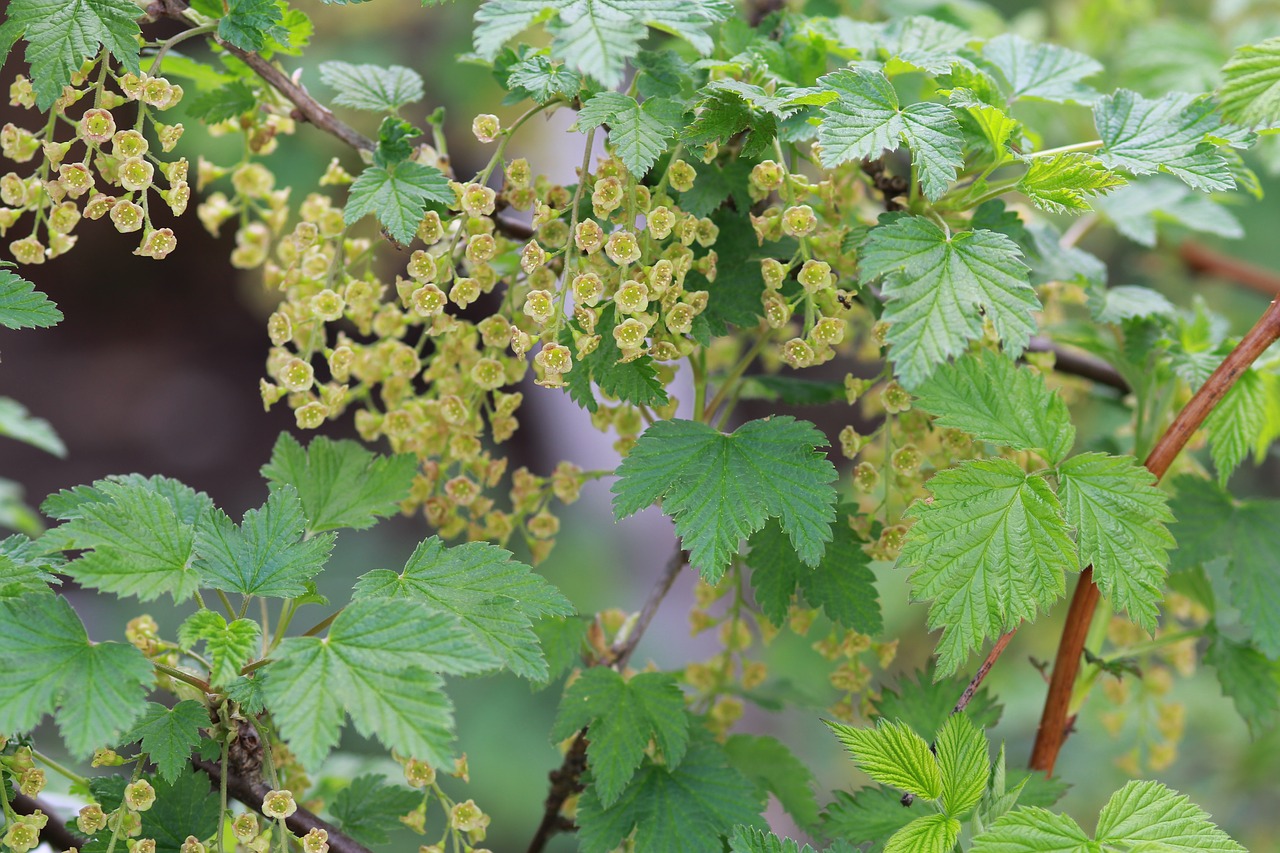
(323, 623)
(180, 675)
(1091, 145)
(58, 768)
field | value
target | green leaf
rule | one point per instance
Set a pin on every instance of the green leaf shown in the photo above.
(638, 133)
(1040, 72)
(989, 124)
(230, 645)
(183, 807)
(266, 553)
(17, 423)
(720, 488)
(622, 716)
(634, 381)
(685, 809)
(372, 87)
(867, 816)
(543, 80)
(1128, 302)
(561, 639)
(136, 540)
(842, 583)
(368, 807)
(775, 770)
(340, 483)
(62, 34)
(21, 305)
(1149, 814)
(1033, 830)
(596, 38)
(496, 598)
(398, 194)
(865, 119)
(989, 551)
(1137, 209)
(170, 735)
(935, 833)
(1121, 519)
(924, 701)
(1249, 679)
(1063, 183)
(964, 762)
(1254, 582)
(894, 755)
(251, 24)
(229, 101)
(935, 284)
(25, 569)
(923, 43)
(378, 662)
(1242, 422)
(498, 21)
(745, 839)
(1250, 92)
(1168, 135)
(94, 690)
(995, 400)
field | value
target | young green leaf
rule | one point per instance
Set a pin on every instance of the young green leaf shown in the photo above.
(894, 755)
(923, 43)
(720, 488)
(685, 809)
(542, 80)
(1145, 136)
(935, 283)
(398, 194)
(1033, 830)
(1149, 815)
(634, 381)
(368, 807)
(169, 735)
(62, 34)
(17, 423)
(226, 102)
(774, 769)
(622, 716)
(995, 400)
(251, 24)
(1040, 72)
(865, 119)
(596, 38)
(924, 699)
(990, 126)
(266, 553)
(867, 816)
(639, 132)
(340, 483)
(1250, 92)
(935, 833)
(496, 598)
(1139, 209)
(1121, 519)
(989, 551)
(1245, 421)
(1063, 183)
(372, 87)
(966, 767)
(746, 839)
(230, 645)
(561, 639)
(21, 305)
(94, 690)
(842, 583)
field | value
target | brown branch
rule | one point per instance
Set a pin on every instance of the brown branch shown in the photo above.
(976, 682)
(565, 780)
(1077, 363)
(1066, 666)
(1202, 259)
(251, 793)
(55, 833)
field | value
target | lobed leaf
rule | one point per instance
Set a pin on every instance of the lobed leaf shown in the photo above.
(893, 754)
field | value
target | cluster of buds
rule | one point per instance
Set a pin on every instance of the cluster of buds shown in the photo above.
(103, 170)
(849, 653)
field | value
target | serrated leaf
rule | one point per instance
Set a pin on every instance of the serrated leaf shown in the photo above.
(989, 124)
(935, 833)
(1240, 423)
(1250, 91)
(21, 305)
(923, 43)
(1121, 519)
(1033, 830)
(561, 639)
(25, 568)
(1148, 813)
(183, 807)
(1249, 679)
(62, 34)
(19, 424)
(266, 553)
(136, 539)
(231, 645)
(924, 701)
(775, 770)
(1145, 136)
(995, 400)
(372, 87)
(622, 716)
(1063, 183)
(865, 119)
(676, 810)
(94, 690)
(340, 483)
(989, 551)
(496, 598)
(596, 38)
(169, 735)
(497, 21)
(935, 284)
(1041, 72)
(228, 101)
(867, 816)
(745, 839)
(368, 807)
(638, 133)
(543, 80)
(1129, 301)
(842, 583)
(252, 24)
(894, 755)
(397, 194)
(720, 488)
(964, 762)
(1137, 209)
(379, 662)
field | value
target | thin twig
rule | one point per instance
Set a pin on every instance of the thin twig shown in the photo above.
(626, 646)
(1201, 258)
(252, 792)
(1066, 666)
(976, 682)
(55, 833)
(1077, 363)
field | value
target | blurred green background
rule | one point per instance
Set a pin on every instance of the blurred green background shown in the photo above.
(156, 366)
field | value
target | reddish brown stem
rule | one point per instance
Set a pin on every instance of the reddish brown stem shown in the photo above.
(1205, 260)
(976, 682)
(1066, 666)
